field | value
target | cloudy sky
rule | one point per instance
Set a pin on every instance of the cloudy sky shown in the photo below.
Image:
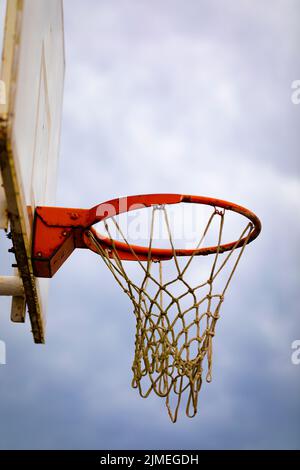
(185, 97)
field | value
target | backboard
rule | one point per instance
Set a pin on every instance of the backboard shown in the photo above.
(32, 77)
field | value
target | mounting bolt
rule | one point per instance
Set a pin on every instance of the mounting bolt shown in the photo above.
(74, 216)
(9, 235)
(11, 250)
(64, 233)
(39, 254)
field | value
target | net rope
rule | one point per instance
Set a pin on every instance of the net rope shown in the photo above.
(171, 349)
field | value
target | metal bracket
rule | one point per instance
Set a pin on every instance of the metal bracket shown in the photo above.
(56, 233)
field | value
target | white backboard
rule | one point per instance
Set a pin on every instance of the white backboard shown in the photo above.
(32, 71)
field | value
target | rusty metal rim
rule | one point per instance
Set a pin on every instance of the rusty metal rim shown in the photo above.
(134, 252)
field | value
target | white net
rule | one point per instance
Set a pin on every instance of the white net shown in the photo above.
(175, 317)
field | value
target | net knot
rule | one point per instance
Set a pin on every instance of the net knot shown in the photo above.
(210, 333)
(220, 212)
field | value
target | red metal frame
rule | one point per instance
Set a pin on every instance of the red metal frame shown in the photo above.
(57, 231)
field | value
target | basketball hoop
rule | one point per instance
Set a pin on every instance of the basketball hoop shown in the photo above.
(172, 344)
(128, 251)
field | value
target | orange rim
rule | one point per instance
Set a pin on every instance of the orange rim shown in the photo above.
(133, 252)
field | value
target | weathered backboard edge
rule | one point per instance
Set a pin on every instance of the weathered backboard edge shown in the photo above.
(10, 174)
(20, 215)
